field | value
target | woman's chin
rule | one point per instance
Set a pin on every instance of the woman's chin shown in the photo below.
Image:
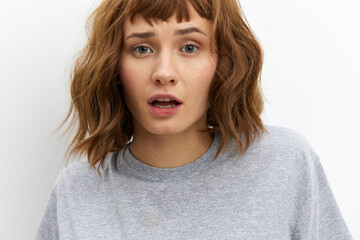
(165, 131)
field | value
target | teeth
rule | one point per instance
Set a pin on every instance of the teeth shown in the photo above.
(164, 99)
(166, 106)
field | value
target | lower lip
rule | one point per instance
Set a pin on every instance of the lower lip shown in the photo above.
(164, 112)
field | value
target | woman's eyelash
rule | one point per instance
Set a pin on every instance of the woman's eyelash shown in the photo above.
(142, 49)
(139, 49)
(192, 46)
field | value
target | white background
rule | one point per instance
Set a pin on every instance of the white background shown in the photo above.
(310, 82)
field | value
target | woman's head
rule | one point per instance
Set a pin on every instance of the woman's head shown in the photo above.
(166, 70)
(104, 89)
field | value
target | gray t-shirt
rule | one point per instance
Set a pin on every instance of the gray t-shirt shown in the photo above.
(276, 190)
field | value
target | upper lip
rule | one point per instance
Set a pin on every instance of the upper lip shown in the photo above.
(162, 95)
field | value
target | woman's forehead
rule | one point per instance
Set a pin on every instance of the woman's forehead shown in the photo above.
(160, 9)
(139, 22)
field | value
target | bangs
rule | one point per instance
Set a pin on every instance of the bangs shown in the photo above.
(163, 9)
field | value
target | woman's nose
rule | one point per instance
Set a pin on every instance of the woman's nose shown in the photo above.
(165, 70)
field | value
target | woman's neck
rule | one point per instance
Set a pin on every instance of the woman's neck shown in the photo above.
(169, 151)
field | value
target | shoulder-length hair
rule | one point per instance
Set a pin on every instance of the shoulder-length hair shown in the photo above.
(102, 120)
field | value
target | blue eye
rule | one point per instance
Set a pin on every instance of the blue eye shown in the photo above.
(142, 50)
(189, 48)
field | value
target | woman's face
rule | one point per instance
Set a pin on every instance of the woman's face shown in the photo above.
(166, 72)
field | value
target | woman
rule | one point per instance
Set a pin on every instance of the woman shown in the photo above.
(167, 103)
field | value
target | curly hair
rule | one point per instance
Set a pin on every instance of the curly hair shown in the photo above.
(99, 113)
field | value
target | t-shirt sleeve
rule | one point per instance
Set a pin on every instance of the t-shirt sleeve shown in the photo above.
(319, 217)
(48, 228)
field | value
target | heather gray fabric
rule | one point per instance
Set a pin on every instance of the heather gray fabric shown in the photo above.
(276, 190)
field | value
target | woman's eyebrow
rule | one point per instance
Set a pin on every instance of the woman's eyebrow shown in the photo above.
(141, 35)
(177, 32)
(188, 30)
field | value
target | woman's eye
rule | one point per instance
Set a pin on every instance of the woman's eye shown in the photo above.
(142, 50)
(189, 48)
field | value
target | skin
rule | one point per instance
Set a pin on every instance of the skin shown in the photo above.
(169, 62)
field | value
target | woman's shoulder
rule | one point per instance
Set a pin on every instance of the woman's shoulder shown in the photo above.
(279, 147)
(285, 134)
(79, 172)
(286, 140)
(77, 168)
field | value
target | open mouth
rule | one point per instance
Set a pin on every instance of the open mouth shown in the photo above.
(165, 103)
